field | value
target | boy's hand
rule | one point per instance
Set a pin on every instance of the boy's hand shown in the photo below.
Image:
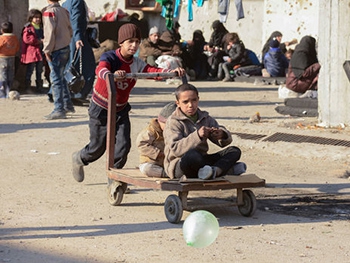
(204, 132)
(180, 71)
(79, 44)
(217, 134)
(48, 57)
(119, 75)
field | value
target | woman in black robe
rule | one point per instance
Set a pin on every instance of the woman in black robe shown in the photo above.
(303, 67)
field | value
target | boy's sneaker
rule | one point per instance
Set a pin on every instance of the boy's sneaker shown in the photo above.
(55, 115)
(69, 110)
(205, 172)
(239, 168)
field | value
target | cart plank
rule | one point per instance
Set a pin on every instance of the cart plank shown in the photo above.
(135, 177)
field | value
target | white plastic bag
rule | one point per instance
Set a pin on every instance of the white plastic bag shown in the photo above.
(284, 93)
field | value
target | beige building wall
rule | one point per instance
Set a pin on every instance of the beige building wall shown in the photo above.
(16, 12)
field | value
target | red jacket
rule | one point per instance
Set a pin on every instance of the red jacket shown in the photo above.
(111, 61)
(31, 51)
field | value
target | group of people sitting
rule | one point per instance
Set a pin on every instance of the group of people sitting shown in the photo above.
(225, 56)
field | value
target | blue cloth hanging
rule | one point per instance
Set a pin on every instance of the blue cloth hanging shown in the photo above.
(177, 8)
(190, 10)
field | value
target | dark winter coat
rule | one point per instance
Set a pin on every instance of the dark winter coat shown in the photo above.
(276, 62)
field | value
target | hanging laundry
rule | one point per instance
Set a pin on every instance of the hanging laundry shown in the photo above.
(167, 12)
(177, 8)
(239, 8)
(189, 10)
(223, 8)
(200, 3)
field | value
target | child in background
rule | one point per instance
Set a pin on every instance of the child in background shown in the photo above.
(275, 62)
(117, 62)
(186, 136)
(32, 45)
(9, 46)
(289, 54)
(237, 56)
(150, 143)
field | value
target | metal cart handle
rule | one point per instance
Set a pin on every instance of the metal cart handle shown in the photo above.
(153, 75)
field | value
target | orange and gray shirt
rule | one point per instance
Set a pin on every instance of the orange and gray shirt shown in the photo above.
(57, 28)
(9, 45)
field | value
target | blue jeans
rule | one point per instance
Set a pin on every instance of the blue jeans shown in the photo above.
(7, 74)
(38, 70)
(60, 91)
(98, 132)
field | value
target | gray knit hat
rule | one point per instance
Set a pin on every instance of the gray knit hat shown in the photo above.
(166, 112)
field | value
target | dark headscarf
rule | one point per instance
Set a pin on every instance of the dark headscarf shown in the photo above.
(267, 44)
(198, 44)
(304, 55)
(219, 31)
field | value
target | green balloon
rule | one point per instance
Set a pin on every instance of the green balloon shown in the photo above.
(200, 229)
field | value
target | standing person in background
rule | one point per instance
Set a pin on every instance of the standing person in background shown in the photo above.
(9, 46)
(31, 53)
(58, 33)
(78, 12)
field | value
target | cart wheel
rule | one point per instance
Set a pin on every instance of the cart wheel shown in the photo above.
(249, 206)
(173, 209)
(115, 192)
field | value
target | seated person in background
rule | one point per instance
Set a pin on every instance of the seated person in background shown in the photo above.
(186, 136)
(150, 143)
(171, 38)
(275, 62)
(198, 59)
(149, 47)
(283, 45)
(303, 67)
(237, 56)
(289, 54)
(171, 61)
(216, 47)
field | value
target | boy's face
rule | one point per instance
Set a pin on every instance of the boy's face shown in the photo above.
(129, 47)
(188, 102)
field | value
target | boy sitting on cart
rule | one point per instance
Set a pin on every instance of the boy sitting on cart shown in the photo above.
(186, 136)
(117, 62)
(150, 143)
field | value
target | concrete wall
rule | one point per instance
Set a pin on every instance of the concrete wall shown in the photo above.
(334, 49)
(16, 12)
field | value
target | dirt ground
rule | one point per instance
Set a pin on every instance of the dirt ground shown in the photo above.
(303, 212)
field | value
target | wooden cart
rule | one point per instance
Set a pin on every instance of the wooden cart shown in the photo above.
(174, 204)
